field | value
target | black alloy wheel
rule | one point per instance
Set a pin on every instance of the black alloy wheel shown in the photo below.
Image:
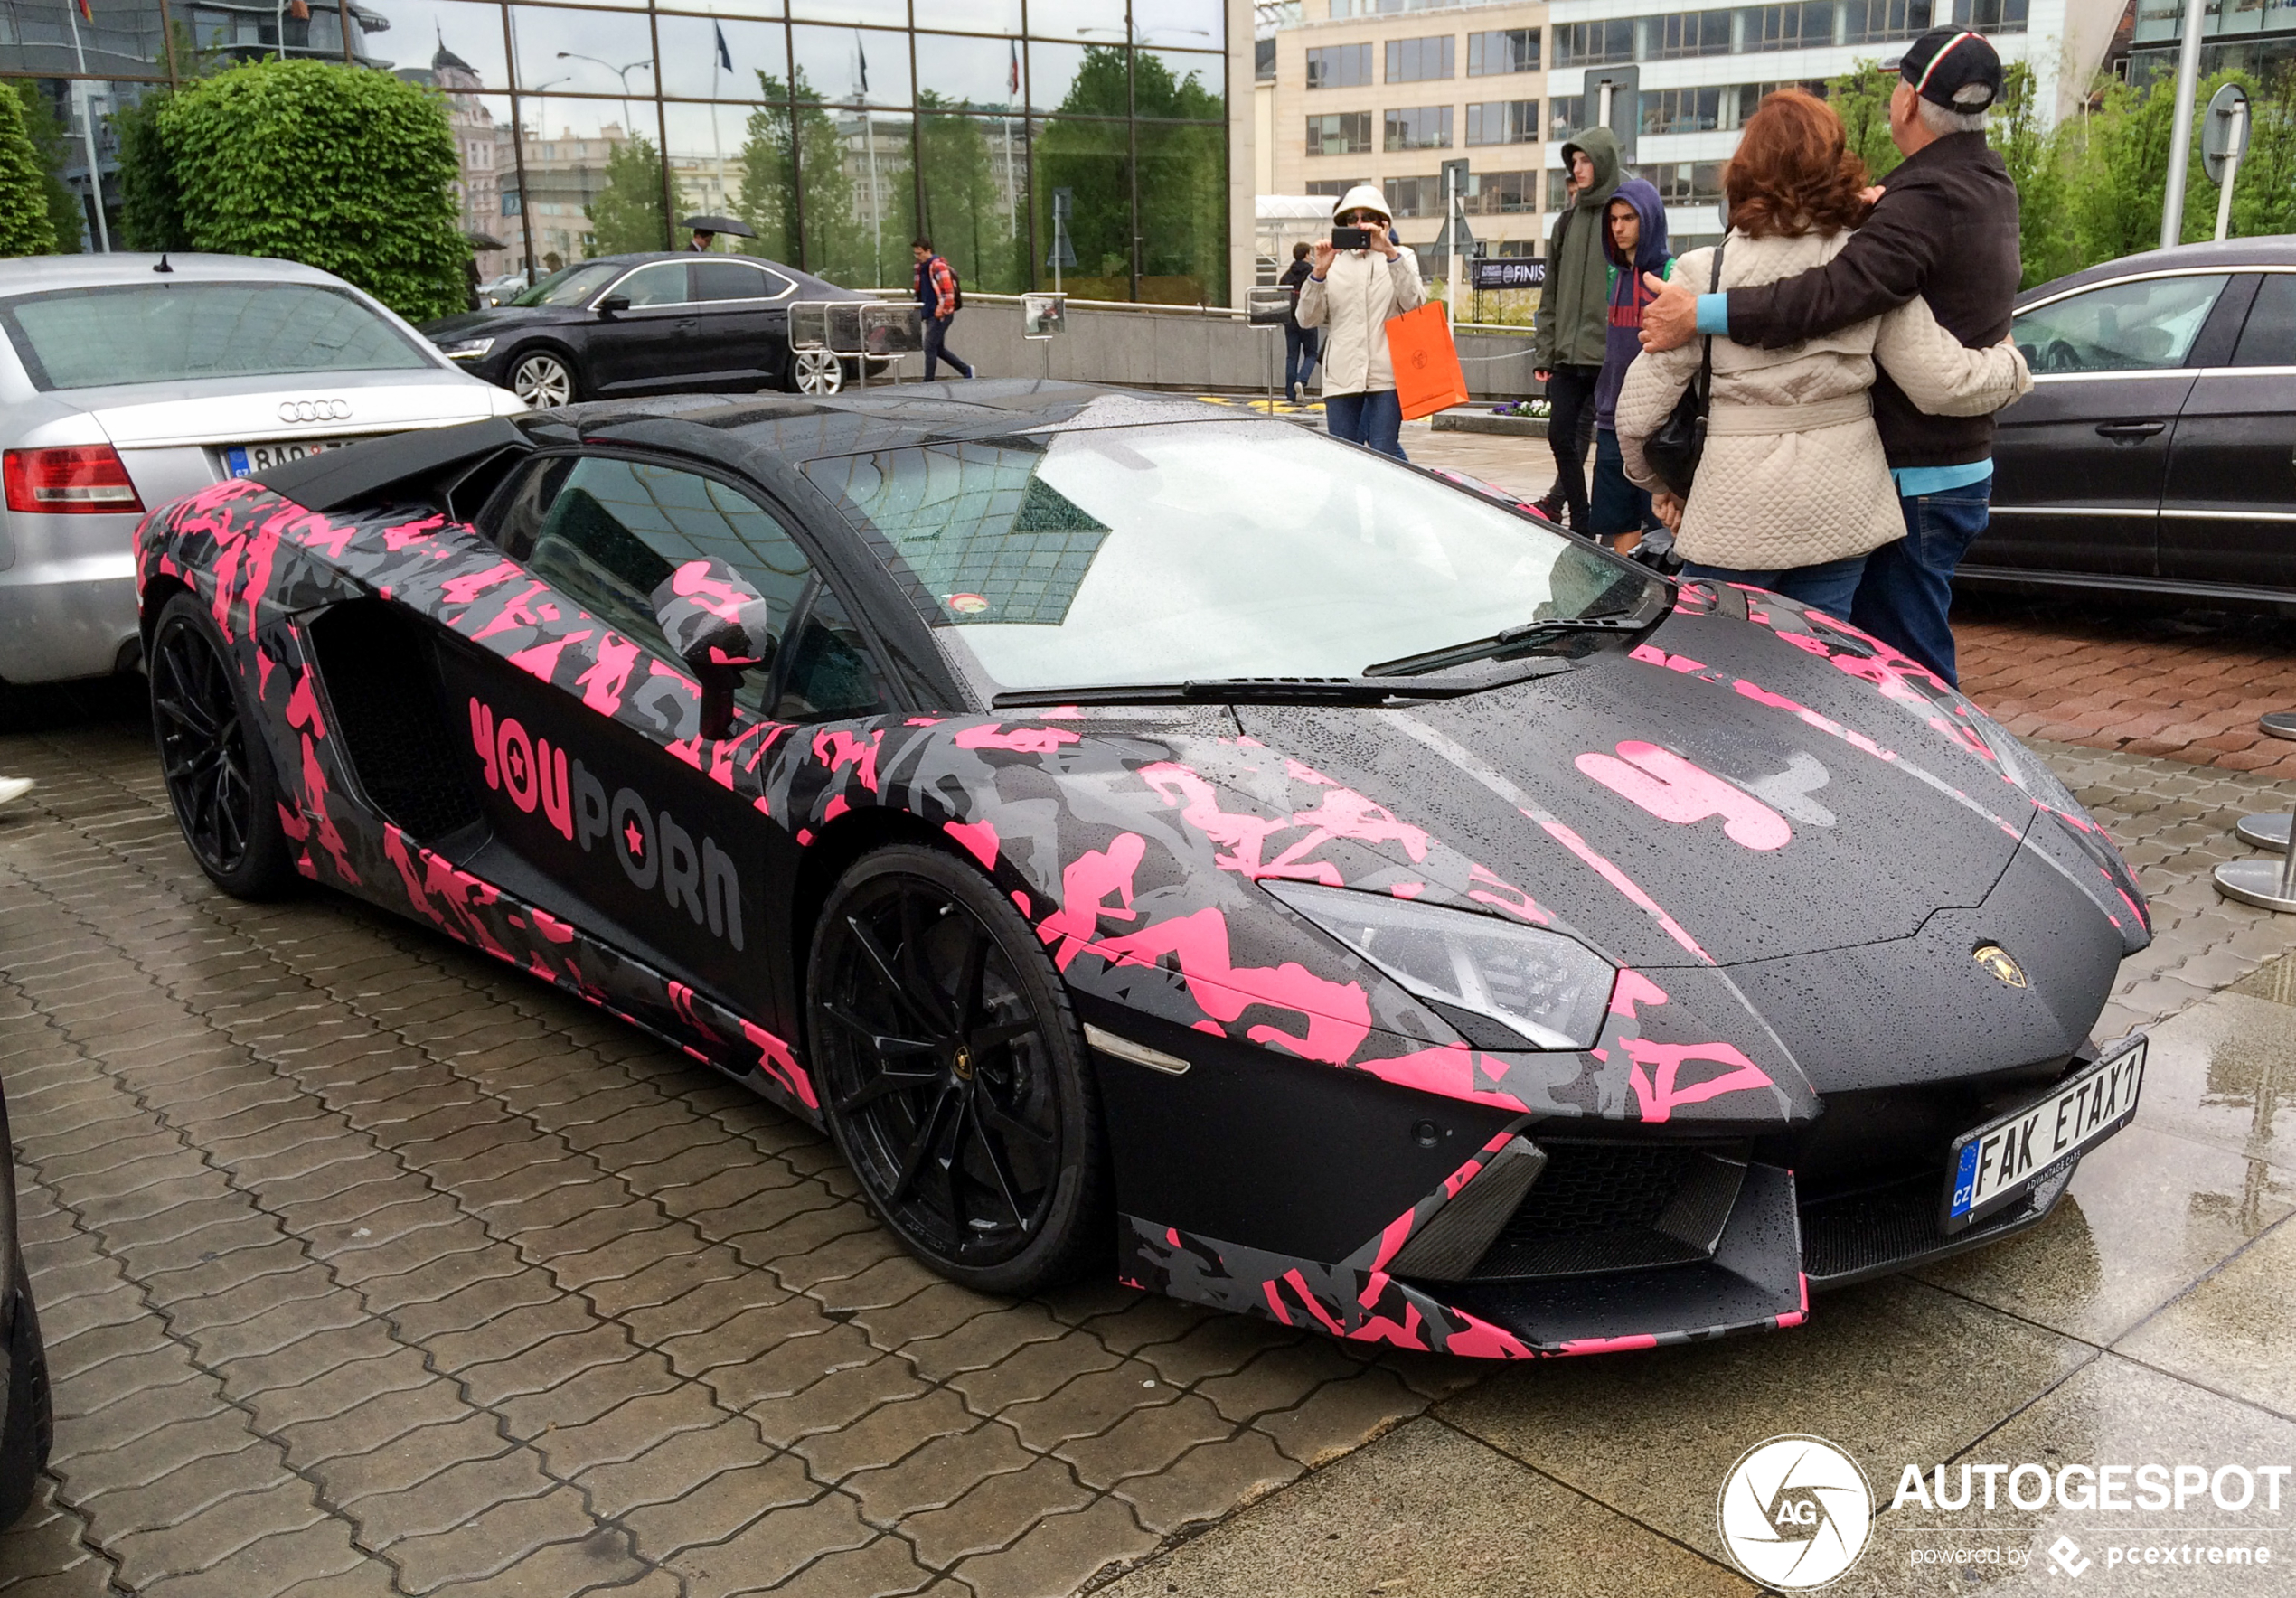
(952, 1075)
(212, 755)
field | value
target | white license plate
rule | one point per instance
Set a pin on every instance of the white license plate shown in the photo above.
(244, 460)
(2004, 1159)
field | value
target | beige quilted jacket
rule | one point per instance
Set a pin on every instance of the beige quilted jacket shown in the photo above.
(1793, 473)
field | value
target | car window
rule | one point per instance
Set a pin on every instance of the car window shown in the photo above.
(155, 333)
(572, 287)
(729, 280)
(662, 284)
(2149, 325)
(830, 673)
(2270, 337)
(607, 533)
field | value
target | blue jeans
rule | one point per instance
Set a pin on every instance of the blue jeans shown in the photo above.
(1908, 587)
(1300, 346)
(1829, 588)
(1372, 420)
(936, 333)
(1618, 506)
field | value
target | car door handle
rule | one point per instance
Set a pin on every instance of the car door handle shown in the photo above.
(2130, 431)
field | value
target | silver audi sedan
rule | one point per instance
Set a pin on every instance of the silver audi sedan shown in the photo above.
(126, 381)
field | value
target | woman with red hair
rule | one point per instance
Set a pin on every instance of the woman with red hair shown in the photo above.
(1793, 490)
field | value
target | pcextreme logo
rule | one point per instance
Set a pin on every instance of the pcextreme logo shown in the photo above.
(1795, 1512)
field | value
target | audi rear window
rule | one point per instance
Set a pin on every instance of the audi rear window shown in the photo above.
(160, 332)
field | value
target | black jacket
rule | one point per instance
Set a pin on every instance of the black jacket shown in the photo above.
(1297, 273)
(1946, 230)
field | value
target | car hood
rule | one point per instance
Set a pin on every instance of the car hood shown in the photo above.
(1728, 792)
(501, 319)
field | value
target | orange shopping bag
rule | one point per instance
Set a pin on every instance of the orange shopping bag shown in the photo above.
(1428, 377)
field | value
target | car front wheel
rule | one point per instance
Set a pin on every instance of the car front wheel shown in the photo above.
(816, 372)
(212, 752)
(952, 1075)
(544, 379)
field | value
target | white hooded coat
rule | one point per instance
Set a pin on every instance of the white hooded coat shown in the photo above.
(1360, 290)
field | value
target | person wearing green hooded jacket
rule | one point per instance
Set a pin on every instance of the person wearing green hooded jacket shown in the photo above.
(1572, 329)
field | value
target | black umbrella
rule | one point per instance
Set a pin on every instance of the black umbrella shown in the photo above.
(717, 224)
(479, 240)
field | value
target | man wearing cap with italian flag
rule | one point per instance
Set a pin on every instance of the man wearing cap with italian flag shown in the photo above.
(1945, 228)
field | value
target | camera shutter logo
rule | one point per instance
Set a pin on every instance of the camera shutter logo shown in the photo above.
(1795, 1512)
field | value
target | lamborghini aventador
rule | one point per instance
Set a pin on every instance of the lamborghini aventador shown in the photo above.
(1155, 841)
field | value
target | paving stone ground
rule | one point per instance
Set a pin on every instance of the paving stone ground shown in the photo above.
(370, 1267)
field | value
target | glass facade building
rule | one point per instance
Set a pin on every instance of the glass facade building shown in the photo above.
(1086, 139)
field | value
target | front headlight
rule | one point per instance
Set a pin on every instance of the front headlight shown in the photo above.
(1550, 989)
(466, 349)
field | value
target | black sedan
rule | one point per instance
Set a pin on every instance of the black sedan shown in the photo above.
(1155, 841)
(646, 325)
(2156, 452)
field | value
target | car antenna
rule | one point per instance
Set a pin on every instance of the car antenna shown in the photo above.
(163, 266)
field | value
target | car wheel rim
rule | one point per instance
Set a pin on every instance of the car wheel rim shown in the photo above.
(542, 382)
(819, 372)
(935, 1066)
(202, 747)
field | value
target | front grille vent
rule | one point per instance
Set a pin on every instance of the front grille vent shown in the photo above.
(1615, 1206)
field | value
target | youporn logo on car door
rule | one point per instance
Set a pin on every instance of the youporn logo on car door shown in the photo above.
(654, 848)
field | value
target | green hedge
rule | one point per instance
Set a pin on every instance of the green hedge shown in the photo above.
(343, 169)
(25, 226)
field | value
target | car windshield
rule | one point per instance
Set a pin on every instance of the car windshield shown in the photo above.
(572, 287)
(1207, 550)
(157, 332)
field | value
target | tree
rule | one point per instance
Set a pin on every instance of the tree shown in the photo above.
(351, 171)
(2030, 152)
(67, 217)
(26, 225)
(1860, 97)
(151, 213)
(966, 212)
(627, 215)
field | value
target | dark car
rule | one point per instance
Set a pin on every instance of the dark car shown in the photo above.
(27, 1414)
(646, 325)
(1154, 841)
(2157, 451)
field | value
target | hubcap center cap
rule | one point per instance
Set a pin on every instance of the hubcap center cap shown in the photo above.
(961, 1064)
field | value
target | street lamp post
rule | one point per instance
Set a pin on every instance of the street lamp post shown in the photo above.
(2172, 201)
(526, 187)
(621, 72)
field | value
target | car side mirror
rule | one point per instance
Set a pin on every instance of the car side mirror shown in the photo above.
(719, 628)
(613, 303)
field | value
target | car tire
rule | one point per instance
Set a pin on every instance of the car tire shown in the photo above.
(214, 757)
(31, 1429)
(544, 378)
(815, 371)
(953, 1077)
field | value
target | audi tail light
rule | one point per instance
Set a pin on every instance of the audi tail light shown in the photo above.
(76, 478)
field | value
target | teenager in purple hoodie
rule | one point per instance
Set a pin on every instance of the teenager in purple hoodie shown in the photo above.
(1635, 239)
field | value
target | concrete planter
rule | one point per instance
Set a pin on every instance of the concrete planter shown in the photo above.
(1483, 421)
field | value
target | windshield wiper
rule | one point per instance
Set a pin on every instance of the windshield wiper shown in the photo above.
(1502, 641)
(1269, 690)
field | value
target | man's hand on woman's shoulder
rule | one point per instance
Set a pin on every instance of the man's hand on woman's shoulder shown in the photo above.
(1671, 320)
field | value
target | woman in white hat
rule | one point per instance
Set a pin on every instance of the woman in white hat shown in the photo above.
(1351, 293)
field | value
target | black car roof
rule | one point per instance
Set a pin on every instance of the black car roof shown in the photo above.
(2275, 249)
(642, 256)
(797, 428)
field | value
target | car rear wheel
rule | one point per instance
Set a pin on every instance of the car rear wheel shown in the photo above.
(544, 379)
(952, 1075)
(816, 372)
(212, 755)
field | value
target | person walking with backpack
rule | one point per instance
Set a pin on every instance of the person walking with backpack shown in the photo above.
(940, 296)
(1299, 345)
(1570, 335)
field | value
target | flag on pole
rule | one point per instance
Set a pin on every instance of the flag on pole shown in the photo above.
(87, 11)
(1012, 84)
(725, 56)
(861, 51)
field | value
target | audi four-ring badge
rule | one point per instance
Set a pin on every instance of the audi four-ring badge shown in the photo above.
(1157, 843)
(129, 380)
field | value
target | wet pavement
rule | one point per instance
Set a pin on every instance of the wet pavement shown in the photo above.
(370, 1267)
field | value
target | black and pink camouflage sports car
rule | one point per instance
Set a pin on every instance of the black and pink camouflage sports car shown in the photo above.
(1156, 840)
